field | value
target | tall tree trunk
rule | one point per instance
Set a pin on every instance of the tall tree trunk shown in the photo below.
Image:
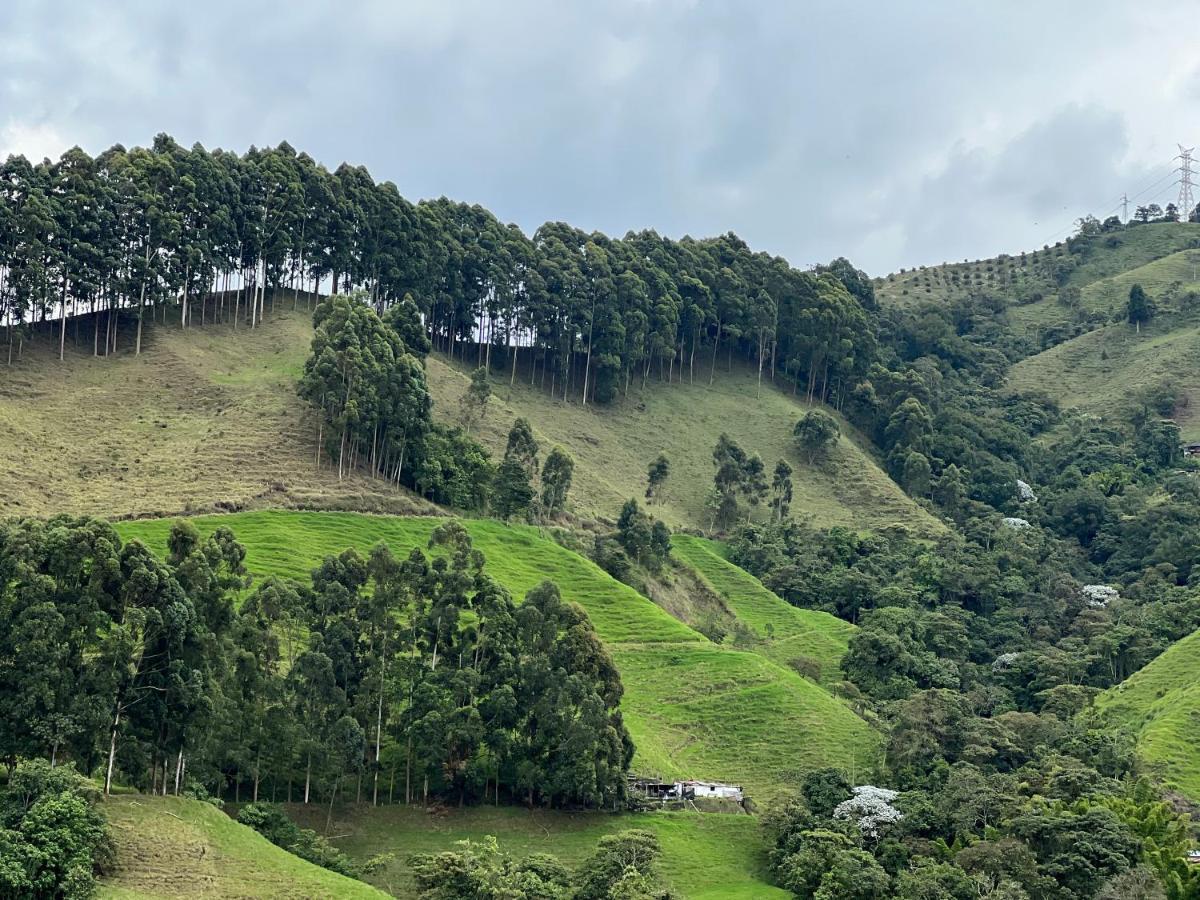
(112, 753)
(62, 333)
(379, 727)
(716, 347)
(183, 306)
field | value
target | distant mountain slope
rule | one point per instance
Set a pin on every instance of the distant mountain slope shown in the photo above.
(786, 632)
(1161, 705)
(1105, 371)
(694, 708)
(169, 847)
(210, 416)
(1031, 280)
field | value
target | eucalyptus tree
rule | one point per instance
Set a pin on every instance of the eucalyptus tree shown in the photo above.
(160, 226)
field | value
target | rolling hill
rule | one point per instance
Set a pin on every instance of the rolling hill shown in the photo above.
(202, 417)
(694, 708)
(613, 446)
(785, 632)
(1160, 704)
(1030, 281)
(170, 847)
(1106, 371)
(207, 419)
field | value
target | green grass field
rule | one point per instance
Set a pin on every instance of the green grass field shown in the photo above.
(705, 856)
(1160, 704)
(785, 631)
(169, 847)
(694, 709)
(612, 446)
(1104, 371)
(1164, 280)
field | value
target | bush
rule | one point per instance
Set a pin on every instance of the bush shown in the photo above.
(53, 840)
(272, 823)
(807, 666)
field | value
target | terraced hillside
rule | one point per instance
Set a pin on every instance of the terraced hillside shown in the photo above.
(1106, 371)
(201, 417)
(694, 708)
(208, 419)
(1160, 704)
(785, 632)
(612, 447)
(705, 856)
(169, 847)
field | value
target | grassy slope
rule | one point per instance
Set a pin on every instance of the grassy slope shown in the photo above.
(793, 632)
(705, 856)
(169, 847)
(1103, 371)
(612, 446)
(201, 417)
(693, 708)
(208, 416)
(1161, 705)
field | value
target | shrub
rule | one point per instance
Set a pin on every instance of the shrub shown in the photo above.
(53, 840)
(272, 823)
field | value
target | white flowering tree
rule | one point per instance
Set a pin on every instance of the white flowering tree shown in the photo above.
(1099, 594)
(870, 808)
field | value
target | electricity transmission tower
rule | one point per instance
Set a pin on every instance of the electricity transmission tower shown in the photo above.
(1186, 204)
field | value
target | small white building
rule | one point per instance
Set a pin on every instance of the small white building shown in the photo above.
(708, 790)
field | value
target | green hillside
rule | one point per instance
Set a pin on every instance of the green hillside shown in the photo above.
(1021, 278)
(169, 847)
(1106, 370)
(1161, 705)
(694, 708)
(705, 856)
(786, 632)
(612, 446)
(201, 417)
(1163, 279)
(208, 418)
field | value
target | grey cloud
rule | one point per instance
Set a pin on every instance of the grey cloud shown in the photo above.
(893, 133)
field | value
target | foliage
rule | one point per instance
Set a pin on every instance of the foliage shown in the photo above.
(272, 823)
(482, 871)
(475, 399)
(556, 481)
(625, 865)
(656, 476)
(53, 839)
(816, 434)
(158, 679)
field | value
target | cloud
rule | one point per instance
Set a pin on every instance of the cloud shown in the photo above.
(34, 140)
(896, 134)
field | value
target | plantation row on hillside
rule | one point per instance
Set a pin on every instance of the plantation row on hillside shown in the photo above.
(130, 232)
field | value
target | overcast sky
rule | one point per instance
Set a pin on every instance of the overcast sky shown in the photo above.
(892, 133)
